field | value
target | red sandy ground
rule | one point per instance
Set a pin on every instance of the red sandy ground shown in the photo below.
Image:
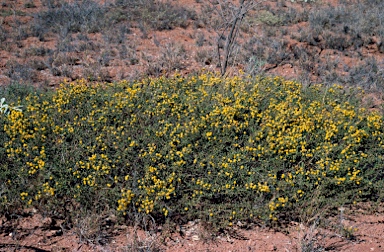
(36, 233)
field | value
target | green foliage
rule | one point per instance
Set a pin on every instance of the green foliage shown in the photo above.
(217, 149)
(7, 13)
(269, 18)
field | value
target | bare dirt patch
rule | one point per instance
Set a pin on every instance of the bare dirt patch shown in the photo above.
(357, 229)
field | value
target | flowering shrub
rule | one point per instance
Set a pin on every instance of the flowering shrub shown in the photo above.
(218, 149)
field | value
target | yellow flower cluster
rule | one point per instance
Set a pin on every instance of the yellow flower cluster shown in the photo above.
(201, 144)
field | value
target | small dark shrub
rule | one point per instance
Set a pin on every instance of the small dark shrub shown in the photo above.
(83, 16)
(19, 72)
(278, 53)
(37, 64)
(200, 39)
(37, 51)
(3, 35)
(157, 15)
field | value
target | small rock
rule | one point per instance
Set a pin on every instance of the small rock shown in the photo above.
(47, 222)
(195, 238)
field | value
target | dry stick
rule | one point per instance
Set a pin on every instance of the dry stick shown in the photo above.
(231, 37)
(236, 32)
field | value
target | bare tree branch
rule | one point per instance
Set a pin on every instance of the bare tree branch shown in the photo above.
(232, 20)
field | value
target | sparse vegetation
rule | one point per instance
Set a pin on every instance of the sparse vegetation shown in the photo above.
(350, 31)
